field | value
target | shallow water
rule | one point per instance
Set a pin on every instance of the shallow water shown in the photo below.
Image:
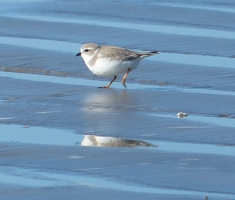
(84, 82)
(217, 121)
(65, 46)
(53, 179)
(143, 27)
(47, 136)
(50, 101)
(51, 45)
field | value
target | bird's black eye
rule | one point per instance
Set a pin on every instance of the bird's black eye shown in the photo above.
(86, 50)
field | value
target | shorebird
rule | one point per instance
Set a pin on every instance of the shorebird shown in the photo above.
(107, 61)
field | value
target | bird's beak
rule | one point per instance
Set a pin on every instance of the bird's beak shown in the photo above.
(78, 54)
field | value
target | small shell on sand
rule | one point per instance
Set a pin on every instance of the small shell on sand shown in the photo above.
(182, 115)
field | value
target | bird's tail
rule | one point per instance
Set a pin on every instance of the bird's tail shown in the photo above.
(154, 52)
(147, 54)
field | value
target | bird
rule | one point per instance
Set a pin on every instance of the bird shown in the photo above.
(110, 61)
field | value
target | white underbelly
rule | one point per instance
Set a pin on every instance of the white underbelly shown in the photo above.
(104, 67)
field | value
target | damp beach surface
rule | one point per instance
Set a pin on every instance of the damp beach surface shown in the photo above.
(170, 135)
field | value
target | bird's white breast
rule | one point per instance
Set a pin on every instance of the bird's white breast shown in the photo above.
(110, 67)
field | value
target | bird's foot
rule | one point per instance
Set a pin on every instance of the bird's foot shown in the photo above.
(124, 83)
(107, 86)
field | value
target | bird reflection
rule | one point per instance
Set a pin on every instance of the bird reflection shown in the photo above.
(106, 101)
(103, 141)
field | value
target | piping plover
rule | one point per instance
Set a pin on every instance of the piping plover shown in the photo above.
(108, 61)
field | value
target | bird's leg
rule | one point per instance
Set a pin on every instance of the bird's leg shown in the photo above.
(107, 86)
(125, 76)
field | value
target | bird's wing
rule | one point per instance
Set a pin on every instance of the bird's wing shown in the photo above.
(117, 53)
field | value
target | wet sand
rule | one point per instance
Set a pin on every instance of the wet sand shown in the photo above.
(62, 137)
